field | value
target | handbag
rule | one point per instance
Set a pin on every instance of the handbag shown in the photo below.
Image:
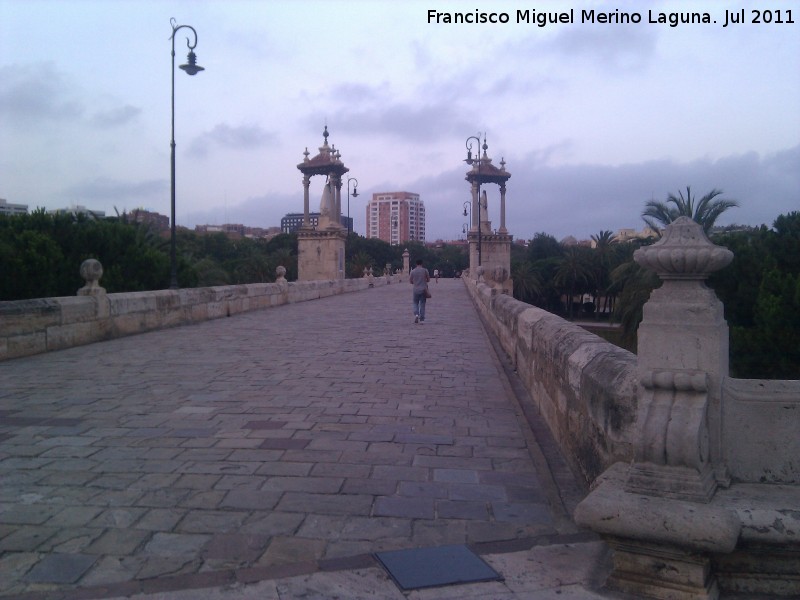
(427, 292)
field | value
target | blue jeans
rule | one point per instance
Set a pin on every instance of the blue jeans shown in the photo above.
(419, 305)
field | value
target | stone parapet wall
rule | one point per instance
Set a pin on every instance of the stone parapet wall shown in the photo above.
(30, 327)
(761, 430)
(584, 387)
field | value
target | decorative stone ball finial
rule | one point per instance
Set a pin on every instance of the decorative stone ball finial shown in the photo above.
(280, 271)
(91, 271)
(684, 252)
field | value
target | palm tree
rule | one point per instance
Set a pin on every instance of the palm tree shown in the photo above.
(574, 274)
(604, 243)
(704, 211)
(358, 262)
(528, 285)
(633, 285)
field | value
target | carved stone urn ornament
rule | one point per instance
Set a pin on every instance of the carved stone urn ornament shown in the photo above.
(683, 353)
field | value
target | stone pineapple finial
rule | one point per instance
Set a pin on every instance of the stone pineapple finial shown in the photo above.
(685, 252)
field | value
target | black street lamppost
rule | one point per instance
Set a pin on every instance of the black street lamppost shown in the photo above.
(355, 195)
(467, 212)
(191, 68)
(470, 161)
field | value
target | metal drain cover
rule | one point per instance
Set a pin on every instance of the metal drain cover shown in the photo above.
(430, 567)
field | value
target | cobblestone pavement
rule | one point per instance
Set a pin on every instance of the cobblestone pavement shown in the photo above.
(301, 437)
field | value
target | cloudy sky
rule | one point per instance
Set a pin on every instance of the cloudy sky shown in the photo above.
(593, 119)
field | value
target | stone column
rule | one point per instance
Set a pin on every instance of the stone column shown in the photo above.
(337, 184)
(406, 266)
(476, 210)
(306, 184)
(503, 208)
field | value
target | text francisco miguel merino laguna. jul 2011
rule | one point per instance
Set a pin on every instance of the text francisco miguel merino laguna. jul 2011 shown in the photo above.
(616, 17)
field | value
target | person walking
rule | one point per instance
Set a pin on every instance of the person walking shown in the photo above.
(419, 278)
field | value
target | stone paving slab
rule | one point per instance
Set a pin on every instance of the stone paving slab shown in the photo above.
(306, 432)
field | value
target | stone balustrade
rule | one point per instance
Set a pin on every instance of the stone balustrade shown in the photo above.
(695, 475)
(39, 325)
(583, 386)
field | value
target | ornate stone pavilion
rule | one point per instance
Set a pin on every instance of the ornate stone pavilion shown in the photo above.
(489, 251)
(321, 249)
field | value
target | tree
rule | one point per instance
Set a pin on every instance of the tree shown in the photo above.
(574, 274)
(359, 262)
(704, 211)
(528, 284)
(604, 243)
(542, 246)
(632, 285)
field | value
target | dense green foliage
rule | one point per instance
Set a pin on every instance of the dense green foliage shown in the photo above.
(40, 256)
(761, 293)
(760, 290)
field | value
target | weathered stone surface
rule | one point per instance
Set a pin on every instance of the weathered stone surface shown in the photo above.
(610, 510)
(584, 387)
(674, 534)
(751, 408)
(60, 568)
(34, 326)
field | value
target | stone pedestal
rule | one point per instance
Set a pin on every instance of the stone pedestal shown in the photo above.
(495, 259)
(659, 514)
(320, 254)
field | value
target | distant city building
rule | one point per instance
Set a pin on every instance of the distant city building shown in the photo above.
(396, 217)
(237, 230)
(155, 220)
(78, 209)
(293, 221)
(626, 235)
(733, 228)
(261, 232)
(7, 208)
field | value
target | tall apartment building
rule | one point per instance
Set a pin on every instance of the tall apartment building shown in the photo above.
(396, 217)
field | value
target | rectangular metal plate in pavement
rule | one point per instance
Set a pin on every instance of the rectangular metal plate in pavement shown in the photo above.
(430, 567)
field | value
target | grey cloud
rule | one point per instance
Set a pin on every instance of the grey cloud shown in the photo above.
(614, 48)
(577, 200)
(415, 124)
(244, 137)
(580, 200)
(109, 189)
(348, 93)
(36, 91)
(258, 211)
(116, 116)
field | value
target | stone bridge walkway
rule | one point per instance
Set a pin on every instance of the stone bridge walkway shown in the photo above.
(293, 441)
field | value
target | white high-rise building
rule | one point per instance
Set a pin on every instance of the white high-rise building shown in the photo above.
(396, 217)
